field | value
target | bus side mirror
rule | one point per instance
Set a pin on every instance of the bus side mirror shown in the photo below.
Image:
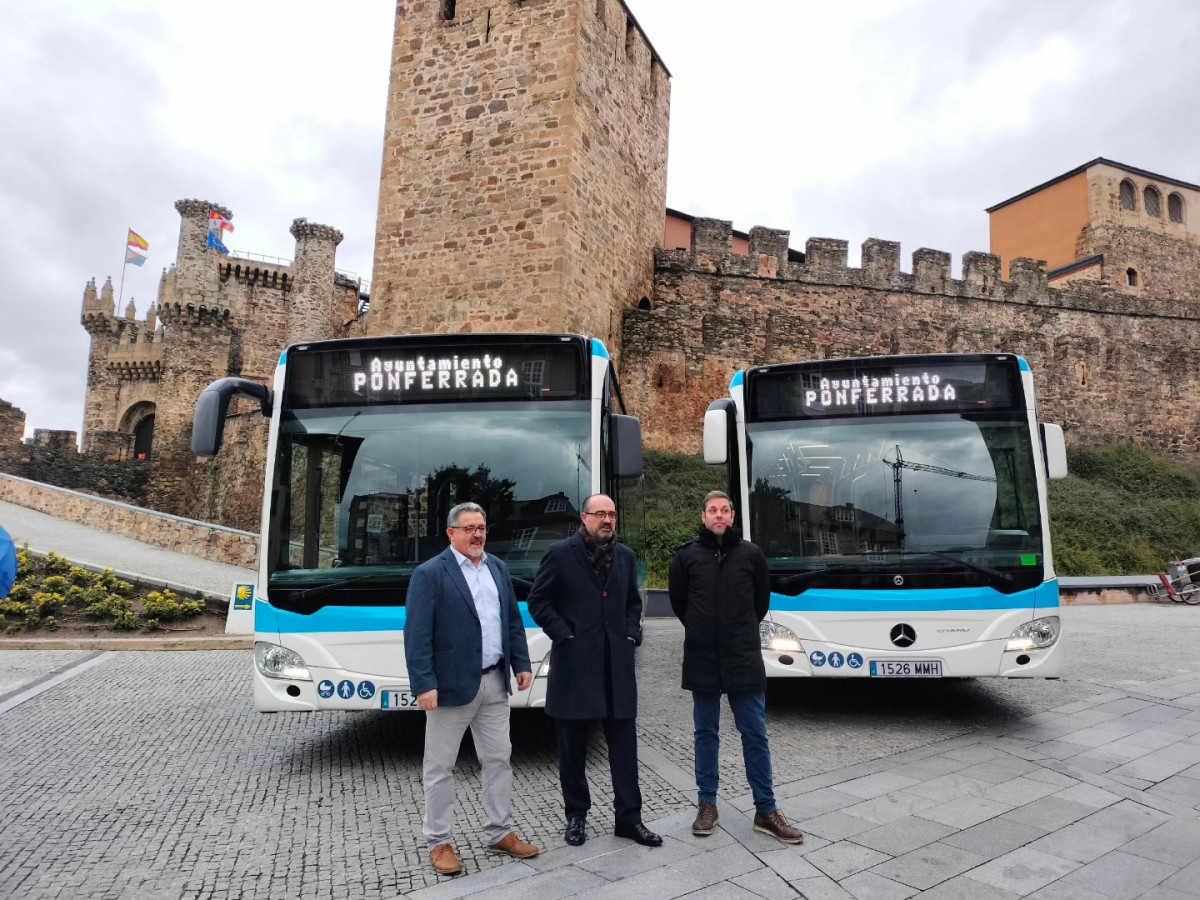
(1056, 450)
(716, 436)
(208, 422)
(627, 446)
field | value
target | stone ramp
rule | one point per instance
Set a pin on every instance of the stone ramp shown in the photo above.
(130, 558)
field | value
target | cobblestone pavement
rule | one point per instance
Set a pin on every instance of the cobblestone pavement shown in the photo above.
(148, 775)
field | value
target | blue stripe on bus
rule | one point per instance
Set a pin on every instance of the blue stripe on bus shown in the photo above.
(341, 619)
(1044, 596)
(598, 349)
(282, 357)
(738, 378)
(1022, 365)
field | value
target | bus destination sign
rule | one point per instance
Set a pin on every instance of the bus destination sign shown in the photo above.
(383, 375)
(843, 388)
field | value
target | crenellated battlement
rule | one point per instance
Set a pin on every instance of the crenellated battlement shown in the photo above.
(825, 263)
(255, 272)
(302, 228)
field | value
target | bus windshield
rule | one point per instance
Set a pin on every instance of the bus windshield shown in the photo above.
(931, 500)
(362, 492)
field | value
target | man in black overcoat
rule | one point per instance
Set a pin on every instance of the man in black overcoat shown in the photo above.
(720, 590)
(585, 598)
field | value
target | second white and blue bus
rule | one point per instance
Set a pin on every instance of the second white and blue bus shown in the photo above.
(901, 504)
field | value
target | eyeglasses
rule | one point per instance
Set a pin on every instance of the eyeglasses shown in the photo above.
(471, 529)
(603, 514)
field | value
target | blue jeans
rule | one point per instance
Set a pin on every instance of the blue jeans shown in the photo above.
(750, 716)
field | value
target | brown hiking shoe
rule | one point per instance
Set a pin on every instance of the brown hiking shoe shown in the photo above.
(514, 847)
(445, 860)
(777, 827)
(706, 819)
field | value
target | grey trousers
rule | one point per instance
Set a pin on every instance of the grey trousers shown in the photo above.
(487, 717)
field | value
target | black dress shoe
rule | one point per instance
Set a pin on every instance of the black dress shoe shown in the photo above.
(639, 833)
(575, 833)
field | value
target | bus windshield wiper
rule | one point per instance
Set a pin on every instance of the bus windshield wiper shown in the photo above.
(335, 585)
(790, 581)
(975, 567)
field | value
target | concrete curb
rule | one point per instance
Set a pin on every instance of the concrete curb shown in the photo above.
(220, 601)
(208, 642)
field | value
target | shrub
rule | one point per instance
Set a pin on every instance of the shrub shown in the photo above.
(56, 565)
(165, 606)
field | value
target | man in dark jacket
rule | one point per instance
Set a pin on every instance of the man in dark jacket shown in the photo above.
(585, 598)
(720, 591)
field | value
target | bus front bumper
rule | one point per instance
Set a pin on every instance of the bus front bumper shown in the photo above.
(982, 659)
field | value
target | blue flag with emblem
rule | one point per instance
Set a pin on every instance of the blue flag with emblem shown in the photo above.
(214, 243)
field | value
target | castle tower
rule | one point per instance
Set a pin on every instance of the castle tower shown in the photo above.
(524, 168)
(195, 271)
(311, 312)
(98, 317)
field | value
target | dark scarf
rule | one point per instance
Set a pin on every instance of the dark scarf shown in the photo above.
(601, 554)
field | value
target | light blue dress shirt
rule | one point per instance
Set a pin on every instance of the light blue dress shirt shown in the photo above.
(487, 605)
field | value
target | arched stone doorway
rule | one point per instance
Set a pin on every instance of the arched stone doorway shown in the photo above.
(139, 421)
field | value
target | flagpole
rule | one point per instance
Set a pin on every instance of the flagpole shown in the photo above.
(124, 266)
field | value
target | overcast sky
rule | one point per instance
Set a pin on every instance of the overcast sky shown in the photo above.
(897, 119)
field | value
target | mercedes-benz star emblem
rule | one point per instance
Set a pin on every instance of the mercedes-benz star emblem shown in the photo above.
(903, 635)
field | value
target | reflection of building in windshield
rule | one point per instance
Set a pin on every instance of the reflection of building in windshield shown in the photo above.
(786, 527)
(390, 528)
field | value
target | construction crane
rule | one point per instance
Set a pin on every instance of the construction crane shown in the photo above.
(898, 480)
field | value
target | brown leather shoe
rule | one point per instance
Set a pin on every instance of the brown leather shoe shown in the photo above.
(706, 820)
(514, 847)
(445, 860)
(777, 827)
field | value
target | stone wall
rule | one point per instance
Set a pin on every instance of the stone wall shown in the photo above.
(226, 545)
(1167, 268)
(1107, 365)
(12, 433)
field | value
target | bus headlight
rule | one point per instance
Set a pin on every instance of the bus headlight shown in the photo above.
(772, 636)
(544, 668)
(274, 661)
(1034, 635)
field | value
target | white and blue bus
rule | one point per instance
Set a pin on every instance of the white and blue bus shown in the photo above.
(371, 442)
(901, 505)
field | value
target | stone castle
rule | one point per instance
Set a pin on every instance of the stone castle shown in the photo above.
(523, 189)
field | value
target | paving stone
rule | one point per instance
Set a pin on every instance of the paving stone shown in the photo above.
(994, 837)
(1062, 890)
(1176, 842)
(716, 865)
(1023, 871)
(869, 886)
(1079, 842)
(636, 859)
(662, 883)
(962, 887)
(1121, 875)
(1127, 819)
(1049, 813)
(821, 888)
(876, 785)
(1186, 879)
(724, 890)
(932, 767)
(1019, 791)
(564, 882)
(950, 787)
(964, 812)
(767, 884)
(788, 864)
(903, 835)
(1179, 787)
(928, 865)
(818, 802)
(844, 858)
(889, 807)
(835, 826)
(1162, 892)
(1088, 795)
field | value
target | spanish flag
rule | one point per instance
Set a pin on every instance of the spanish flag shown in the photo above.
(136, 240)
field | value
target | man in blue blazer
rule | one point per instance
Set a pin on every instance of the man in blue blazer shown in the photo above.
(463, 634)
